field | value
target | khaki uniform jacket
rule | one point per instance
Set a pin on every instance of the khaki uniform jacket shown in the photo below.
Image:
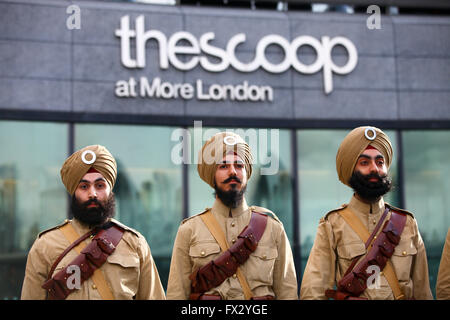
(129, 271)
(443, 279)
(269, 270)
(336, 245)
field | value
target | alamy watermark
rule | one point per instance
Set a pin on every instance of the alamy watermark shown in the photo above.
(74, 19)
(264, 145)
(374, 20)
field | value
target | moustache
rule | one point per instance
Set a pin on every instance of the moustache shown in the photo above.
(235, 178)
(92, 201)
(374, 175)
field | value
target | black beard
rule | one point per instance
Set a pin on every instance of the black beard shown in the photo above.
(232, 198)
(93, 216)
(370, 191)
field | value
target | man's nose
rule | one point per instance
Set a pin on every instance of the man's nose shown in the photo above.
(92, 192)
(232, 170)
(373, 167)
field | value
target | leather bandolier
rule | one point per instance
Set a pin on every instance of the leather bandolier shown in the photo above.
(218, 270)
(354, 281)
(91, 258)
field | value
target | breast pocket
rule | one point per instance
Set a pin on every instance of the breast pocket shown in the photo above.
(347, 252)
(203, 252)
(123, 273)
(403, 257)
(259, 267)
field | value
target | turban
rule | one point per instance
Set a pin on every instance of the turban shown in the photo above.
(216, 148)
(79, 163)
(354, 144)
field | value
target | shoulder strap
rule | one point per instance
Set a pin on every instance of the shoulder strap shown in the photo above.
(216, 231)
(364, 235)
(70, 234)
(112, 234)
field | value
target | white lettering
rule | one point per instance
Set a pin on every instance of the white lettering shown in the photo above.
(141, 40)
(212, 51)
(125, 34)
(173, 50)
(170, 49)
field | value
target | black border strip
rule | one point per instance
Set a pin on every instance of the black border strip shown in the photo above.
(138, 119)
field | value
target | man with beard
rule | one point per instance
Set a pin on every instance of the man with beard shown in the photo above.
(92, 256)
(366, 249)
(231, 251)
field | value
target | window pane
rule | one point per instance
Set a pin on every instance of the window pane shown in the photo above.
(272, 156)
(32, 196)
(320, 190)
(427, 189)
(148, 188)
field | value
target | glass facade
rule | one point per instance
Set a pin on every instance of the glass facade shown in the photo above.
(155, 191)
(427, 189)
(32, 197)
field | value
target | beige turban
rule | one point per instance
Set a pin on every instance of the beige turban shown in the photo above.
(216, 148)
(354, 144)
(79, 163)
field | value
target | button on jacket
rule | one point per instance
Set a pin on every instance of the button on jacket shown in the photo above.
(336, 245)
(129, 271)
(269, 270)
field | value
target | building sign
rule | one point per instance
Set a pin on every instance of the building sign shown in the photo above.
(196, 52)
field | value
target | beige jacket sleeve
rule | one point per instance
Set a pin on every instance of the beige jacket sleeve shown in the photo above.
(284, 275)
(443, 279)
(35, 274)
(150, 287)
(421, 283)
(320, 269)
(179, 285)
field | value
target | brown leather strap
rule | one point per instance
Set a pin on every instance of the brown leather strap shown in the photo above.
(369, 241)
(72, 245)
(89, 260)
(227, 264)
(354, 283)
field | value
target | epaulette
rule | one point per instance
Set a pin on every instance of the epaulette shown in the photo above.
(266, 211)
(195, 215)
(334, 210)
(398, 209)
(135, 232)
(54, 228)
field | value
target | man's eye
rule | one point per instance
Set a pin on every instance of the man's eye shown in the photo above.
(240, 165)
(223, 166)
(83, 187)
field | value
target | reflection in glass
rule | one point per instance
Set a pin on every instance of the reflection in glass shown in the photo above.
(148, 188)
(320, 190)
(32, 196)
(427, 189)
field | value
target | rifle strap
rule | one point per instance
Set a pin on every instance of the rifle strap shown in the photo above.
(216, 231)
(357, 226)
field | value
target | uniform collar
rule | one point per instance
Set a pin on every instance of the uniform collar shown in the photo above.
(220, 208)
(83, 228)
(367, 208)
